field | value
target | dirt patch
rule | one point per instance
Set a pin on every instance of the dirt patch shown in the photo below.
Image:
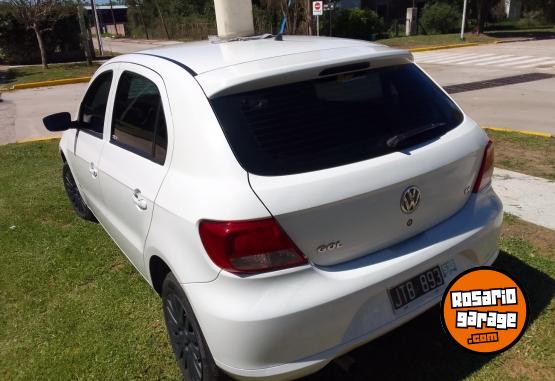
(532, 155)
(529, 369)
(541, 238)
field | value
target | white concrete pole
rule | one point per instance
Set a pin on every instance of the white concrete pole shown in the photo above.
(234, 18)
(463, 20)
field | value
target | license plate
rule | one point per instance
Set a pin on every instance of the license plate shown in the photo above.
(414, 288)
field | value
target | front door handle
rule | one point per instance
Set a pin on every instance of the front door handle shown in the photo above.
(139, 200)
(93, 171)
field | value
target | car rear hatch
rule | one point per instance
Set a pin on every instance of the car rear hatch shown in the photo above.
(355, 159)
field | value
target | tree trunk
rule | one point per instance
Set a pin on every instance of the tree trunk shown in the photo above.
(483, 11)
(38, 33)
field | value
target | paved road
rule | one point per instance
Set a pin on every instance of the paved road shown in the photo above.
(22, 111)
(526, 105)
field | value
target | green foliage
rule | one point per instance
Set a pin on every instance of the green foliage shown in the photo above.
(545, 9)
(440, 18)
(18, 45)
(183, 19)
(363, 24)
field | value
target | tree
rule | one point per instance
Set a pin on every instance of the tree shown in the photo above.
(39, 16)
(483, 12)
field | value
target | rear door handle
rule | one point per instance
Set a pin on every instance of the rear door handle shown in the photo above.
(139, 200)
(93, 171)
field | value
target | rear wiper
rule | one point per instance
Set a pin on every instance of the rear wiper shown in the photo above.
(395, 140)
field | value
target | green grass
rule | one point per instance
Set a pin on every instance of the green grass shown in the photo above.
(26, 74)
(420, 41)
(533, 155)
(424, 41)
(72, 307)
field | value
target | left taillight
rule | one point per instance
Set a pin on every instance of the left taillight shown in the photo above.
(249, 246)
(486, 169)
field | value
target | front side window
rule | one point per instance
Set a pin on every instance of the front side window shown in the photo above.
(138, 122)
(335, 120)
(93, 108)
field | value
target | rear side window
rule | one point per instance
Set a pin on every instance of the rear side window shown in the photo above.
(334, 121)
(138, 122)
(93, 107)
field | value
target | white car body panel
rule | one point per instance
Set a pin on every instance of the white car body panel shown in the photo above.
(124, 184)
(287, 323)
(361, 197)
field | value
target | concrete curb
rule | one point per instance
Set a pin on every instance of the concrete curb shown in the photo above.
(441, 47)
(54, 82)
(532, 133)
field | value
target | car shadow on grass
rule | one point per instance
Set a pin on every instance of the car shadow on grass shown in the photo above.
(420, 350)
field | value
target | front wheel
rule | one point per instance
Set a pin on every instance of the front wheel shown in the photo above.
(186, 338)
(79, 206)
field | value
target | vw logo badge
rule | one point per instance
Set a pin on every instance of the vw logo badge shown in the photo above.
(410, 199)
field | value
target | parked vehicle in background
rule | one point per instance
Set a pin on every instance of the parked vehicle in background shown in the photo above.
(289, 200)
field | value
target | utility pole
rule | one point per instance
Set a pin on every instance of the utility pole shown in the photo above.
(113, 18)
(97, 27)
(463, 20)
(162, 19)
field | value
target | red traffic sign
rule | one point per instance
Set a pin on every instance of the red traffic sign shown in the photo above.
(317, 8)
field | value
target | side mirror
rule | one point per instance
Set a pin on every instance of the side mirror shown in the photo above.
(59, 122)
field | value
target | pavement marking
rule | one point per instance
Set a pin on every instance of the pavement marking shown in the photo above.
(475, 59)
(448, 58)
(528, 197)
(459, 59)
(483, 59)
(539, 64)
(504, 61)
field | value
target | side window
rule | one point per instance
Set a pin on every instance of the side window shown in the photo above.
(93, 108)
(138, 122)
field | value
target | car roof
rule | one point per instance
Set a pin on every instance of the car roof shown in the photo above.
(204, 56)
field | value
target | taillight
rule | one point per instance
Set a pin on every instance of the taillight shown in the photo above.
(486, 169)
(249, 246)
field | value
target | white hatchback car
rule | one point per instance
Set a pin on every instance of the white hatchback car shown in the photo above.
(289, 200)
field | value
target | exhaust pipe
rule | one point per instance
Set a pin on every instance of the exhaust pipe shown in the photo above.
(234, 18)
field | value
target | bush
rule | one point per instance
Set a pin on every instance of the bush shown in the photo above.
(19, 46)
(363, 24)
(439, 18)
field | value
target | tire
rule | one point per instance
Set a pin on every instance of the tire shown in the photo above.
(77, 202)
(186, 338)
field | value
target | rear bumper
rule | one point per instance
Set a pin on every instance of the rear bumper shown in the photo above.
(287, 326)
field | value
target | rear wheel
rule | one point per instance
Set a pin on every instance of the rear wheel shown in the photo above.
(187, 341)
(74, 196)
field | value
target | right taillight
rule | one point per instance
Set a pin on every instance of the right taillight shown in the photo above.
(486, 169)
(249, 246)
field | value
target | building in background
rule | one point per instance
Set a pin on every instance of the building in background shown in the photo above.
(112, 19)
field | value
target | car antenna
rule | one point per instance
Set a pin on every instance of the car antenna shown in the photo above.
(279, 36)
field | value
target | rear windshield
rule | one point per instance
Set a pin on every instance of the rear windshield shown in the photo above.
(333, 121)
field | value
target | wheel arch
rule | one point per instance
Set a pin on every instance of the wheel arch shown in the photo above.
(158, 269)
